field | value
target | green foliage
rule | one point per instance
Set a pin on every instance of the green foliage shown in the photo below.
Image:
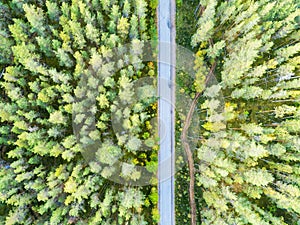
(247, 158)
(46, 48)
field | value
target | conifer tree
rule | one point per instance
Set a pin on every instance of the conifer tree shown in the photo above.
(46, 48)
(247, 160)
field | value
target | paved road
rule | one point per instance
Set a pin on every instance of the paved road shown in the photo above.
(166, 21)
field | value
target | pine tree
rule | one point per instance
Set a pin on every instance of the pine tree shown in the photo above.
(48, 50)
(247, 160)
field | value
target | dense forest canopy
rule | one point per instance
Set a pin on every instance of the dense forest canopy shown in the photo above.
(61, 84)
(55, 62)
(247, 159)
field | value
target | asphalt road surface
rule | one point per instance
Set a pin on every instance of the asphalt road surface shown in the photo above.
(166, 90)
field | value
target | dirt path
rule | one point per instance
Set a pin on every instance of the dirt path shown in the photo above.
(188, 151)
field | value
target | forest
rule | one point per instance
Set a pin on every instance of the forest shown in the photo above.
(79, 139)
